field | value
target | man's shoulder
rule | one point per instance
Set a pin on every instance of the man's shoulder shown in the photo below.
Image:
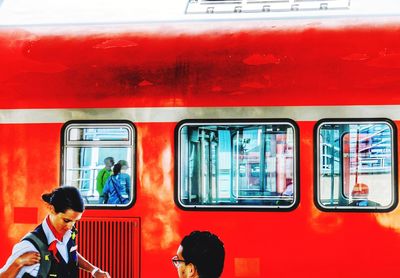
(100, 173)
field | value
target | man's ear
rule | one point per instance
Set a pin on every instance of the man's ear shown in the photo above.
(191, 270)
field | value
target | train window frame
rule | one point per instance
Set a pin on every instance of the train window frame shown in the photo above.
(394, 165)
(130, 143)
(224, 122)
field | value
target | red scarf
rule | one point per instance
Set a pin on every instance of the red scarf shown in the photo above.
(57, 235)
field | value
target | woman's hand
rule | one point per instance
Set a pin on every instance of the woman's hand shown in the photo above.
(29, 258)
(100, 273)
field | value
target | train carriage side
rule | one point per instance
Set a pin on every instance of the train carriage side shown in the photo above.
(271, 147)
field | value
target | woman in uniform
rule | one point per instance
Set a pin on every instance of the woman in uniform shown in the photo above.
(54, 239)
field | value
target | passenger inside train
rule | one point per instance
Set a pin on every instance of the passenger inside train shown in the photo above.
(117, 186)
(103, 176)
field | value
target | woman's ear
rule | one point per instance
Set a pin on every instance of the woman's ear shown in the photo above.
(51, 209)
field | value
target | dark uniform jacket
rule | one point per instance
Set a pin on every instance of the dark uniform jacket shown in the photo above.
(49, 266)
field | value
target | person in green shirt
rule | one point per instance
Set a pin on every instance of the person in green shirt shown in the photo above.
(102, 177)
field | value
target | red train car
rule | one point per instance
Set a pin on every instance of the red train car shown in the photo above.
(282, 142)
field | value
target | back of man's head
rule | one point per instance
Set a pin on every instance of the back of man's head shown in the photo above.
(206, 251)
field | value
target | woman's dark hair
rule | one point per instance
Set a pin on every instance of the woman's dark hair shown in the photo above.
(64, 198)
(117, 168)
(206, 251)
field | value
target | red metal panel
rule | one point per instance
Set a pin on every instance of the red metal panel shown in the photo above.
(291, 67)
(25, 215)
(111, 244)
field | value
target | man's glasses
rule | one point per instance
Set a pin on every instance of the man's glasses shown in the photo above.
(176, 261)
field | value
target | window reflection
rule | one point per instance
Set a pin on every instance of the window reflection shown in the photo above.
(356, 165)
(85, 163)
(92, 154)
(238, 165)
(98, 134)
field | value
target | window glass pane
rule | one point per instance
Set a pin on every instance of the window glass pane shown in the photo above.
(98, 134)
(355, 165)
(102, 165)
(237, 165)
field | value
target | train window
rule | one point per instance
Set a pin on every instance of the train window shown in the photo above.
(356, 165)
(98, 160)
(237, 165)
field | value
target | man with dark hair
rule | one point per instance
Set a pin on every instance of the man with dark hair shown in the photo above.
(103, 176)
(200, 255)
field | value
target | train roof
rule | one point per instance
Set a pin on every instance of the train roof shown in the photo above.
(194, 15)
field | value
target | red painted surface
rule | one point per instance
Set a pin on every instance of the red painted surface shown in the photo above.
(30, 156)
(310, 67)
(346, 66)
(25, 215)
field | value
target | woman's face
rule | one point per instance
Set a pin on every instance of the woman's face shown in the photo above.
(64, 221)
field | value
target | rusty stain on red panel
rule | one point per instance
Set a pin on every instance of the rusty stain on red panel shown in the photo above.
(27, 215)
(344, 65)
